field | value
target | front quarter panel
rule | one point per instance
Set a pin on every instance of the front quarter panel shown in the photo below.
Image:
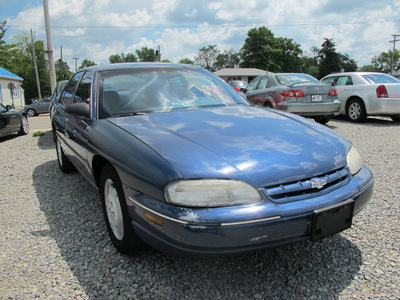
(139, 166)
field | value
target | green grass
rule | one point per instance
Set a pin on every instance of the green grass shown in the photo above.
(37, 133)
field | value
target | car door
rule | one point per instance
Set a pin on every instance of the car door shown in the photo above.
(344, 85)
(58, 117)
(43, 106)
(77, 127)
(251, 90)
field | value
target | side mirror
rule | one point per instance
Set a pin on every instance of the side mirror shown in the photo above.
(8, 107)
(242, 89)
(78, 109)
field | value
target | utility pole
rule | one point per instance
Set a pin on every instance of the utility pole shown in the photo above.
(394, 47)
(76, 62)
(49, 47)
(61, 65)
(36, 69)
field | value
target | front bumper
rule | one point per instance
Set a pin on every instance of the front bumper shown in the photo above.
(310, 109)
(228, 230)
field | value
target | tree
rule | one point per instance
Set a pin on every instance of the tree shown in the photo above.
(228, 59)
(186, 61)
(165, 60)
(63, 72)
(86, 63)
(146, 55)
(263, 51)
(116, 58)
(331, 61)
(382, 62)
(328, 58)
(207, 57)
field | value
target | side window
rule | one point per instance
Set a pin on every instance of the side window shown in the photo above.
(252, 86)
(329, 80)
(263, 83)
(344, 80)
(66, 97)
(82, 93)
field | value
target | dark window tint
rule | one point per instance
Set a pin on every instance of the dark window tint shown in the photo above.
(66, 97)
(263, 83)
(82, 93)
(252, 86)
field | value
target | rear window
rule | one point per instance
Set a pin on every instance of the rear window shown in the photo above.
(380, 78)
(290, 79)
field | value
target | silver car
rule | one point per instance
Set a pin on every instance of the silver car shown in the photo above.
(41, 107)
(364, 94)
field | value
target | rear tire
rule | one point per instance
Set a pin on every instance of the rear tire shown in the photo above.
(322, 119)
(64, 163)
(395, 118)
(116, 213)
(355, 110)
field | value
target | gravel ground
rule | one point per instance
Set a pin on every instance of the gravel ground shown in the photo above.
(53, 241)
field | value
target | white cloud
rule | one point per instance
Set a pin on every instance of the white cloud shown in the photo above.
(87, 28)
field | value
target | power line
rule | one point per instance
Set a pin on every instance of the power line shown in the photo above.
(205, 25)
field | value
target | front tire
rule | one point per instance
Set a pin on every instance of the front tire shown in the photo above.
(24, 126)
(116, 213)
(31, 112)
(355, 111)
(64, 163)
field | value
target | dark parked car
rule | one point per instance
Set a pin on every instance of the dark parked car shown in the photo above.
(12, 121)
(296, 93)
(40, 107)
(183, 163)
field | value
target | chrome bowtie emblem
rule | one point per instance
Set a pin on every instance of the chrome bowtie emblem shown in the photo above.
(317, 183)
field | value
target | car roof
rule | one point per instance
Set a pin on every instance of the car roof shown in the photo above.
(136, 65)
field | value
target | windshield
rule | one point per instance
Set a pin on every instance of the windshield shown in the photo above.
(380, 78)
(2, 108)
(160, 89)
(289, 79)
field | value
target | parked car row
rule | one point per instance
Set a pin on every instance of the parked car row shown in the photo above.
(185, 164)
(354, 94)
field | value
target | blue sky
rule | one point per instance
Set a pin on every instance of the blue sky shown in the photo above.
(96, 29)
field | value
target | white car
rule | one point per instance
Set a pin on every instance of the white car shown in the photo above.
(364, 94)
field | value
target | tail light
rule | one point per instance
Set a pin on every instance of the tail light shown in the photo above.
(333, 92)
(293, 93)
(381, 91)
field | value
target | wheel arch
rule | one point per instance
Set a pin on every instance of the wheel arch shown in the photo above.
(355, 97)
(98, 163)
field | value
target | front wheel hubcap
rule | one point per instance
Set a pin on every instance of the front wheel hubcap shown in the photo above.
(113, 208)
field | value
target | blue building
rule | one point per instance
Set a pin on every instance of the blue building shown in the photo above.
(11, 92)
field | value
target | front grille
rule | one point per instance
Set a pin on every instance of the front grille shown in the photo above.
(308, 188)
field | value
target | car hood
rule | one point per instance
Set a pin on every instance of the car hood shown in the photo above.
(261, 146)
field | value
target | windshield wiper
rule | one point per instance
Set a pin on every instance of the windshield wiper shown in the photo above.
(128, 114)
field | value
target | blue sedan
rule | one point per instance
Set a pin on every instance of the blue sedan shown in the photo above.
(184, 164)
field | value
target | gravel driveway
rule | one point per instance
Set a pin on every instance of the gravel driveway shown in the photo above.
(53, 241)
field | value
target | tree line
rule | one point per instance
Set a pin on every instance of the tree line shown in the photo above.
(261, 49)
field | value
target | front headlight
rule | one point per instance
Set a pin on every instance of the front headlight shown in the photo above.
(211, 193)
(353, 161)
